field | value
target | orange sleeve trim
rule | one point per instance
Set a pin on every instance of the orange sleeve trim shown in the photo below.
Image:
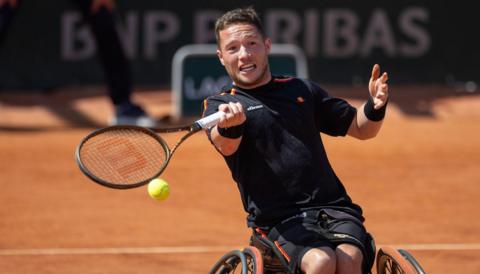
(283, 80)
(205, 105)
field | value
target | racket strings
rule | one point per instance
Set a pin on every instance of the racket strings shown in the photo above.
(123, 156)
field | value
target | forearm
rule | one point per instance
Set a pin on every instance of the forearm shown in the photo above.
(369, 118)
(366, 128)
(367, 122)
(227, 134)
(227, 146)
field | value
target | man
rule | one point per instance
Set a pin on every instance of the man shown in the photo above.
(270, 139)
(99, 14)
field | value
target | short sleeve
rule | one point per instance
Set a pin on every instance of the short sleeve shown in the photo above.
(333, 116)
(210, 106)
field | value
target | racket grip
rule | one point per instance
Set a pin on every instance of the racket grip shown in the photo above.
(210, 120)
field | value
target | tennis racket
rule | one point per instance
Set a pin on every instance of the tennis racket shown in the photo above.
(125, 157)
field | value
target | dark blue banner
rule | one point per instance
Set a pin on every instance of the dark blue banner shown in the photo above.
(49, 45)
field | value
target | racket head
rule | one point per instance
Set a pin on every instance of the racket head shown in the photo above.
(122, 157)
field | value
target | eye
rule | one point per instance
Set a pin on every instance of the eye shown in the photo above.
(231, 49)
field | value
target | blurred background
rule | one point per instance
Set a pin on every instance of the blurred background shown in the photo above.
(57, 83)
(49, 46)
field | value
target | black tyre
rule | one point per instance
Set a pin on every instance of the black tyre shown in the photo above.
(248, 261)
(392, 261)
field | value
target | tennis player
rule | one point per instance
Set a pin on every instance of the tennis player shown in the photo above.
(270, 139)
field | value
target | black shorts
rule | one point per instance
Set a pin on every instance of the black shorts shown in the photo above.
(321, 228)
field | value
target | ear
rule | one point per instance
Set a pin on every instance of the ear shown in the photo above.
(220, 56)
(268, 45)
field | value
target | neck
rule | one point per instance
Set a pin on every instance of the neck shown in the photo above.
(255, 87)
(265, 80)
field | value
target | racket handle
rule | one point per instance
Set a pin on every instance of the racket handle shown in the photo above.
(210, 120)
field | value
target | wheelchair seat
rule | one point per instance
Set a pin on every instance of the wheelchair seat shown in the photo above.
(275, 262)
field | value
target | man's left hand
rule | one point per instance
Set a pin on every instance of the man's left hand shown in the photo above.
(378, 87)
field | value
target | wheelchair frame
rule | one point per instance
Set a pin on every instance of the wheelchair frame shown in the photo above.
(250, 260)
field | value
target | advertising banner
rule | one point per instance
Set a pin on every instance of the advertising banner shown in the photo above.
(48, 43)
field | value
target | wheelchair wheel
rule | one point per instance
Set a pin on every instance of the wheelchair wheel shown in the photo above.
(412, 261)
(392, 261)
(248, 261)
(254, 260)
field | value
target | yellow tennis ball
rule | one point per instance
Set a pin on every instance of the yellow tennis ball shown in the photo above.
(158, 189)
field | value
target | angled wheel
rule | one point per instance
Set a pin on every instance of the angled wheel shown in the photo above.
(254, 260)
(392, 261)
(412, 261)
(248, 261)
(229, 262)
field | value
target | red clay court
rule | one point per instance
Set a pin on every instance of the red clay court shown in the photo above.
(418, 183)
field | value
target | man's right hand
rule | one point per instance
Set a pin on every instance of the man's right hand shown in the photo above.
(234, 115)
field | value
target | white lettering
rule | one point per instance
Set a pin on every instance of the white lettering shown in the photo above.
(283, 26)
(129, 34)
(204, 26)
(208, 86)
(340, 38)
(153, 36)
(378, 35)
(311, 33)
(251, 108)
(420, 36)
(76, 39)
(330, 33)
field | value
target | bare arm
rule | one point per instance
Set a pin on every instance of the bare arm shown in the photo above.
(226, 135)
(362, 127)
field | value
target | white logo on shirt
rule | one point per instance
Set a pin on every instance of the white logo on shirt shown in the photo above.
(250, 108)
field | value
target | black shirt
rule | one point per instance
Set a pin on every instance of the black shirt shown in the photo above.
(281, 167)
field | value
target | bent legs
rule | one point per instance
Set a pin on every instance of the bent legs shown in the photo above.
(346, 259)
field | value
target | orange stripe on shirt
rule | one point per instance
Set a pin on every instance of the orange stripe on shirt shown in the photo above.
(205, 105)
(283, 80)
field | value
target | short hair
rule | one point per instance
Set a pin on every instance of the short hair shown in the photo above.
(238, 16)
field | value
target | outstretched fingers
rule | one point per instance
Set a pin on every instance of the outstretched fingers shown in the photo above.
(373, 79)
(381, 91)
(375, 72)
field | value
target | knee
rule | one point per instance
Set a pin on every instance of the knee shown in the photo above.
(349, 259)
(319, 261)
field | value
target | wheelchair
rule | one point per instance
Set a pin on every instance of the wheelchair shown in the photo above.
(262, 256)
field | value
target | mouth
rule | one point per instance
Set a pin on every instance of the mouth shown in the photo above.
(247, 68)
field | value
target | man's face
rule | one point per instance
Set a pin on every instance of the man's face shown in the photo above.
(243, 51)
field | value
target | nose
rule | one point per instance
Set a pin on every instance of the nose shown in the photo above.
(244, 53)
